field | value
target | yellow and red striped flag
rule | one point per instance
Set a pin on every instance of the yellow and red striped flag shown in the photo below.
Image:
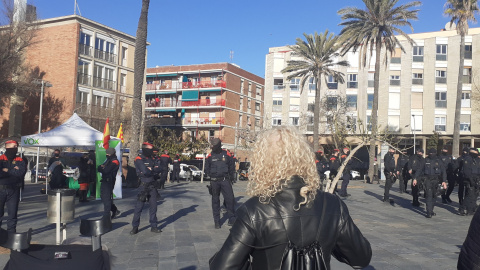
(106, 135)
(120, 132)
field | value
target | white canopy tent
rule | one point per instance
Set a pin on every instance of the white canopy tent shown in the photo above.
(73, 133)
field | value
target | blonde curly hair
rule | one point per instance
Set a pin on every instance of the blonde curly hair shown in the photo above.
(279, 154)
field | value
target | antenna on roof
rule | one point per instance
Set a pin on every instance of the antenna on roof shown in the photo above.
(231, 56)
(75, 9)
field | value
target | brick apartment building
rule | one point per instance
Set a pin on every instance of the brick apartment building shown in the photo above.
(90, 67)
(208, 99)
(416, 97)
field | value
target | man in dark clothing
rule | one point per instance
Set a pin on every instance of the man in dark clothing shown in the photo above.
(220, 168)
(322, 165)
(402, 172)
(459, 173)
(334, 165)
(469, 258)
(84, 178)
(449, 164)
(471, 181)
(109, 171)
(146, 168)
(55, 166)
(93, 173)
(413, 166)
(165, 161)
(176, 169)
(12, 170)
(389, 171)
(433, 170)
(346, 172)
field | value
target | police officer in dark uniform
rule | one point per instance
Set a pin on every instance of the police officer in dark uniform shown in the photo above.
(220, 168)
(109, 171)
(449, 164)
(322, 165)
(346, 172)
(413, 166)
(12, 169)
(471, 181)
(389, 171)
(459, 174)
(165, 161)
(334, 165)
(146, 168)
(402, 172)
(433, 171)
(176, 169)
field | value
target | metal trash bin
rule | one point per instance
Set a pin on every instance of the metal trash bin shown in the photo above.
(67, 205)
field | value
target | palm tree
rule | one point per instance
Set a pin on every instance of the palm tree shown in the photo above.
(139, 76)
(370, 29)
(460, 11)
(318, 55)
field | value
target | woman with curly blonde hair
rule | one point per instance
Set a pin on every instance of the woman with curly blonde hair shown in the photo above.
(288, 211)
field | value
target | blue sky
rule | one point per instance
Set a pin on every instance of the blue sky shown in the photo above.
(183, 32)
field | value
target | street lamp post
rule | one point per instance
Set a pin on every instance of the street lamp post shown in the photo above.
(414, 141)
(43, 84)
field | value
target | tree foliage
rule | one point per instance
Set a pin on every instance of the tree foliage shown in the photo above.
(168, 139)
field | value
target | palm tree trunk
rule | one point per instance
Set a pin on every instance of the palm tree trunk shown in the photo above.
(458, 101)
(316, 112)
(138, 78)
(373, 119)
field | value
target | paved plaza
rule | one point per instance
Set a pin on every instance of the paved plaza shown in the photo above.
(400, 235)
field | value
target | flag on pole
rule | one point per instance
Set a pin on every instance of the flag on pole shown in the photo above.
(106, 135)
(120, 132)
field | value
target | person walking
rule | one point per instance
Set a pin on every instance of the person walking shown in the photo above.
(449, 163)
(146, 169)
(220, 169)
(389, 171)
(402, 171)
(109, 171)
(288, 212)
(471, 181)
(459, 174)
(12, 169)
(346, 172)
(414, 165)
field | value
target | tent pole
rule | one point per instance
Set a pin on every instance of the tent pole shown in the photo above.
(38, 157)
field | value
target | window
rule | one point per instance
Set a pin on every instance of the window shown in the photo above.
(468, 51)
(352, 81)
(278, 85)
(332, 103)
(103, 77)
(351, 123)
(105, 50)
(467, 75)
(395, 80)
(370, 101)
(211, 133)
(417, 53)
(441, 76)
(257, 106)
(441, 52)
(393, 123)
(123, 83)
(85, 44)
(311, 84)
(257, 122)
(294, 83)
(277, 103)
(82, 97)
(369, 123)
(85, 39)
(249, 103)
(259, 91)
(417, 100)
(417, 78)
(465, 100)
(294, 121)
(277, 122)
(311, 107)
(440, 99)
(465, 122)
(416, 122)
(332, 82)
(213, 80)
(352, 102)
(371, 79)
(83, 73)
(440, 123)
(124, 55)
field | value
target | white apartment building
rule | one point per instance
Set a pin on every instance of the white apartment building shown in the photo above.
(417, 90)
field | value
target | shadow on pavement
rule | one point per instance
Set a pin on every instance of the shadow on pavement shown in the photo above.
(180, 213)
(401, 202)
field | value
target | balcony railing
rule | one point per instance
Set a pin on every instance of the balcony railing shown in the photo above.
(440, 80)
(395, 82)
(418, 58)
(104, 83)
(85, 50)
(203, 121)
(106, 56)
(332, 85)
(468, 55)
(310, 128)
(84, 109)
(440, 127)
(188, 85)
(467, 79)
(277, 108)
(203, 102)
(396, 60)
(440, 103)
(371, 83)
(84, 79)
(352, 84)
(441, 57)
(152, 103)
(417, 81)
(154, 120)
(278, 87)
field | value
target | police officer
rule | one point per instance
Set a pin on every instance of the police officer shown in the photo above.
(471, 181)
(449, 164)
(12, 169)
(176, 169)
(165, 161)
(146, 168)
(413, 166)
(346, 172)
(322, 165)
(402, 173)
(109, 171)
(389, 171)
(334, 165)
(459, 174)
(433, 170)
(220, 168)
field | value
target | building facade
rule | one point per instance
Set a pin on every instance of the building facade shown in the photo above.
(90, 67)
(416, 97)
(213, 100)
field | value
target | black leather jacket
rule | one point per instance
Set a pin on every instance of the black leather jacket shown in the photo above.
(469, 258)
(259, 231)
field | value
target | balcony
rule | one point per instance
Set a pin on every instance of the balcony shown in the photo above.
(440, 103)
(440, 80)
(277, 108)
(99, 111)
(203, 121)
(105, 56)
(156, 102)
(396, 60)
(278, 88)
(104, 84)
(310, 128)
(395, 82)
(371, 83)
(84, 79)
(418, 58)
(417, 81)
(352, 84)
(468, 54)
(203, 102)
(82, 109)
(440, 127)
(161, 121)
(189, 85)
(467, 79)
(332, 85)
(441, 57)
(85, 50)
